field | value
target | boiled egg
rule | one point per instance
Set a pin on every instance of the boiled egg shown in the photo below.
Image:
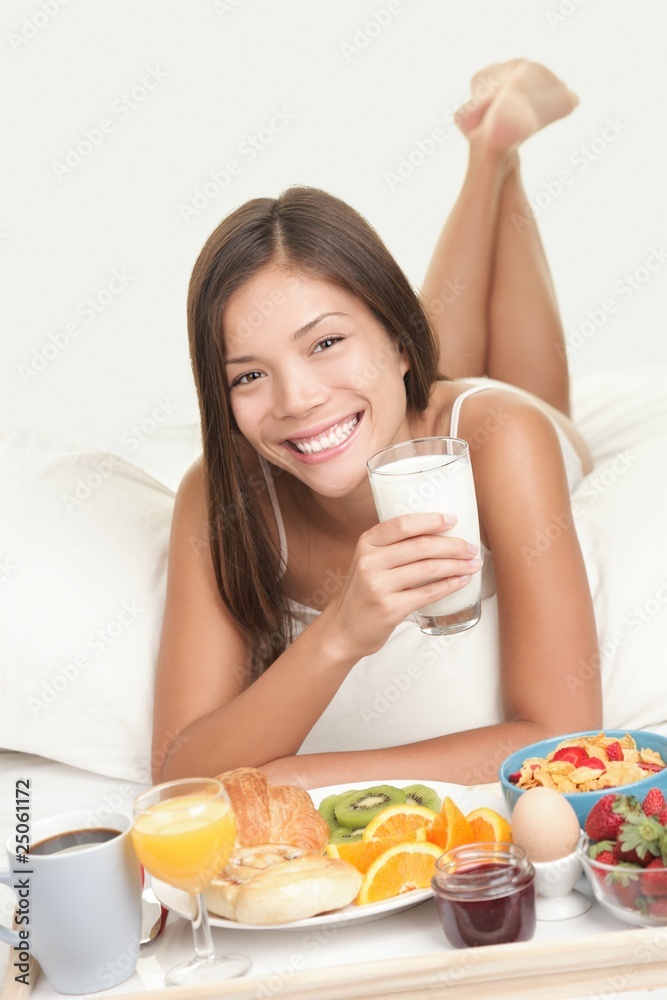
(544, 824)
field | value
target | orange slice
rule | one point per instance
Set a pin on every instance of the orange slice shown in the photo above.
(399, 869)
(360, 853)
(399, 823)
(486, 824)
(450, 828)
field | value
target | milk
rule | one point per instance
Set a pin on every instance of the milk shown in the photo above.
(428, 483)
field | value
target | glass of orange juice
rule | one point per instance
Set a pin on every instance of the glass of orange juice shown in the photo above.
(184, 833)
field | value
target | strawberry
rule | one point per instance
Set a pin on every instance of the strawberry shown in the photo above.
(602, 852)
(608, 815)
(627, 857)
(573, 755)
(654, 878)
(641, 834)
(614, 751)
(647, 766)
(662, 816)
(658, 907)
(626, 893)
(594, 762)
(514, 777)
(654, 803)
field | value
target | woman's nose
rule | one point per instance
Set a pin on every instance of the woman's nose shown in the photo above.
(296, 393)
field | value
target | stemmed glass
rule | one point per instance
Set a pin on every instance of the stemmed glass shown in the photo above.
(184, 833)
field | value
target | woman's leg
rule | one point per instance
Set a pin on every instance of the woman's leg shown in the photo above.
(488, 288)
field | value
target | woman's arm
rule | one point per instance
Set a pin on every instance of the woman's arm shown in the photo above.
(208, 717)
(548, 638)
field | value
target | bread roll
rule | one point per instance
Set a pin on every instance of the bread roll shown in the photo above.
(287, 891)
(245, 862)
(273, 814)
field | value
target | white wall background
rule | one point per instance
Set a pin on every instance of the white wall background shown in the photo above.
(219, 70)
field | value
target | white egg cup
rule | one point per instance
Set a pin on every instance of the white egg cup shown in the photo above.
(556, 897)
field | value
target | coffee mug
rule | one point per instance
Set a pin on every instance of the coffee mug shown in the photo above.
(79, 902)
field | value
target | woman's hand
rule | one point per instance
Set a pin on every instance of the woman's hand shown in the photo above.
(398, 566)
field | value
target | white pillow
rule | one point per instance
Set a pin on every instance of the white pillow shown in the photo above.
(84, 566)
(619, 510)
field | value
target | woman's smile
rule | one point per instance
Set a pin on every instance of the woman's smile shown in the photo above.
(321, 444)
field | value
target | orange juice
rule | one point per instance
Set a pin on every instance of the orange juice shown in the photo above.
(185, 840)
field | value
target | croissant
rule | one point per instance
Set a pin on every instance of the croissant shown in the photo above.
(273, 814)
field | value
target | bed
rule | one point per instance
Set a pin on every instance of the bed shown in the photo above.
(83, 581)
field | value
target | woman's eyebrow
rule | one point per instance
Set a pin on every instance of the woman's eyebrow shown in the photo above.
(247, 358)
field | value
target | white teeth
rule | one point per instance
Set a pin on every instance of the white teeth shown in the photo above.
(335, 436)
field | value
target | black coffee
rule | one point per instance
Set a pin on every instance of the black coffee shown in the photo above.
(73, 840)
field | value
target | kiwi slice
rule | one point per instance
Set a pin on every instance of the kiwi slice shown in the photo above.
(326, 811)
(422, 795)
(357, 807)
(344, 835)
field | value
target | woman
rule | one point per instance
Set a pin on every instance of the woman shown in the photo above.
(310, 354)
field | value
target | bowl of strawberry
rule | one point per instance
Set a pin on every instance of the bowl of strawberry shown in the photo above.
(586, 766)
(623, 850)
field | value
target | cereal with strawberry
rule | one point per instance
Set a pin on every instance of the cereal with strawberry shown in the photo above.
(589, 763)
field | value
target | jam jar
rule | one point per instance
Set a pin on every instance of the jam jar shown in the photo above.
(485, 894)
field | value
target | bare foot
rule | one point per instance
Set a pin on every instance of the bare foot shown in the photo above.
(527, 97)
(483, 86)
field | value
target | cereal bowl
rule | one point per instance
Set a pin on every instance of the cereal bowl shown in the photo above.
(623, 890)
(583, 802)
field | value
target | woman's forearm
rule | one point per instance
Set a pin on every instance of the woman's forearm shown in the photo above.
(467, 758)
(271, 718)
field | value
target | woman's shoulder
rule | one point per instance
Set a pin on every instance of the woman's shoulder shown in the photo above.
(483, 407)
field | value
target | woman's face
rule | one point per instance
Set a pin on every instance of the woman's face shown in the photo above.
(316, 384)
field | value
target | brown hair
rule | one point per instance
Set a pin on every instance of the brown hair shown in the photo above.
(311, 232)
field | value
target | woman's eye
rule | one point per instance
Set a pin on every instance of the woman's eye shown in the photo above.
(246, 378)
(326, 343)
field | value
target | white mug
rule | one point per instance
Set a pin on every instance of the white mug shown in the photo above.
(79, 907)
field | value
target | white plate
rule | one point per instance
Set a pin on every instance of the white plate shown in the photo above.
(466, 798)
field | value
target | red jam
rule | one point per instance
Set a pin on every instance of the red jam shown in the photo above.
(485, 894)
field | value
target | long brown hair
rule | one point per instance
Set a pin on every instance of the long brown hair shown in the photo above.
(311, 232)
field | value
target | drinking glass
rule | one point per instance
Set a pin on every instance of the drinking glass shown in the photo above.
(426, 475)
(184, 833)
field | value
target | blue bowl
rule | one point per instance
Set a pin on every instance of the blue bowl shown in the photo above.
(583, 802)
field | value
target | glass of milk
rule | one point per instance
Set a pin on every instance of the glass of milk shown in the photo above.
(422, 476)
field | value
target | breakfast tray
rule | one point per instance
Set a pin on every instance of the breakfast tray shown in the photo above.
(598, 964)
